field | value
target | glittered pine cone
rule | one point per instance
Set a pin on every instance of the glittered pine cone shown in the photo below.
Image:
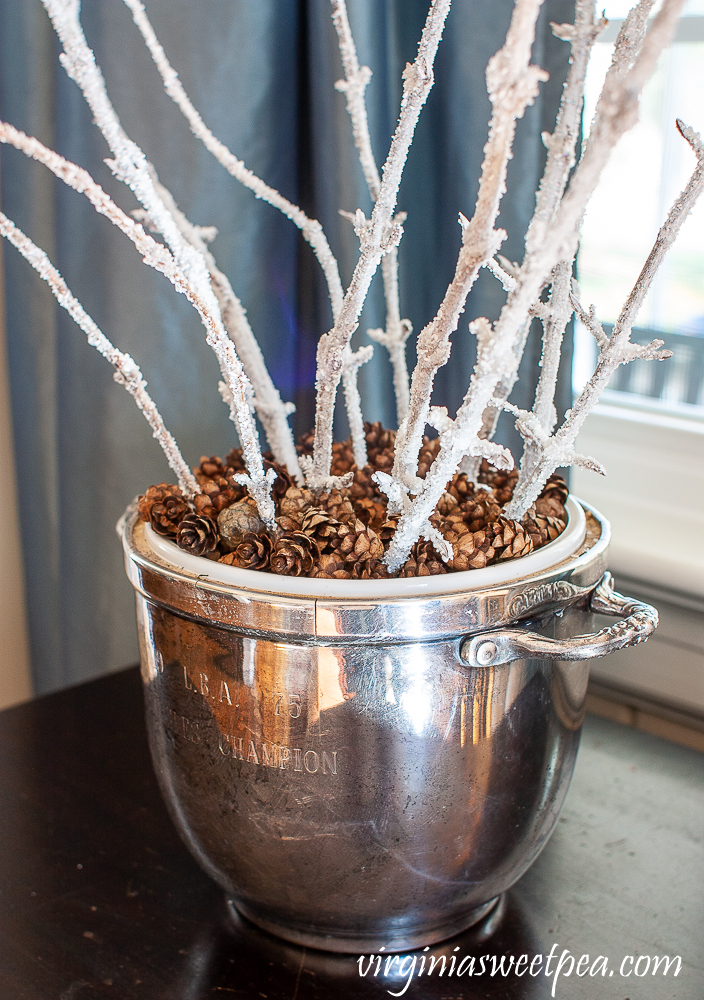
(164, 506)
(253, 552)
(424, 560)
(294, 554)
(197, 534)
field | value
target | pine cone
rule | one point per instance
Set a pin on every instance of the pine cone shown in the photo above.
(337, 506)
(294, 554)
(356, 542)
(461, 488)
(305, 443)
(556, 489)
(197, 534)
(503, 485)
(509, 539)
(217, 494)
(363, 486)
(283, 480)
(295, 501)
(234, 460)
(342, 458)
(253, 552)
(380, 446)
(318, 524)
(428, 454)
(550, 507)
(423, 561)
(164, 506)
(209, 468)
(542, 528)
(236, 521)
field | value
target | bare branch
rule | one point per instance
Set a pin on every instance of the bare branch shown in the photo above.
(310, 228)
(377, 237)
(127, 372)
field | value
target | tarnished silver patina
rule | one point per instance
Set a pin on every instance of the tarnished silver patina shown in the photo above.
(364, 773)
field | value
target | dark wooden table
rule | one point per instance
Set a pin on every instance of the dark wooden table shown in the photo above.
(99, 898)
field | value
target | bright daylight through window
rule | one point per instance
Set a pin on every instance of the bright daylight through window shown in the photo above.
(651, 166)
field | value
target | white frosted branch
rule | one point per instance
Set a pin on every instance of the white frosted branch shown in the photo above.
(310, 228)
(507, 280)
(559, 449)
(131, 167)
(353, 362)
(589, 319)
(353, 87)
(127, 372)
(512, 85)
(269, 407)
(377, 237)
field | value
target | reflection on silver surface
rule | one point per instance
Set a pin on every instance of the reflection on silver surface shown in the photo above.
(346, 793)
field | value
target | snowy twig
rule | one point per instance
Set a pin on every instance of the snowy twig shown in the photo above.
(512, 84)
(377, 236)
(310, 228)
(130, 166)
(394, 337)
(127, 372)
(353, 362)
(270, 408)
(559, 449)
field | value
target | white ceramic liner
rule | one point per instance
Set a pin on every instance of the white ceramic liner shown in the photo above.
(555, 552)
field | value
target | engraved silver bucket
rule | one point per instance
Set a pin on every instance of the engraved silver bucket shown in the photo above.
(373, 764)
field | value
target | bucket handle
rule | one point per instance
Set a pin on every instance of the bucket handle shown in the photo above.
(504, 645)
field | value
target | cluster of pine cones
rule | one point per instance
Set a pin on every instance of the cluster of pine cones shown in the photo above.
(343, 534)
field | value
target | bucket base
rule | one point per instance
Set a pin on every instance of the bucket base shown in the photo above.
(398, 939)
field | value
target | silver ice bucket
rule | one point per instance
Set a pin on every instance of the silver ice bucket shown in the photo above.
(367, 767)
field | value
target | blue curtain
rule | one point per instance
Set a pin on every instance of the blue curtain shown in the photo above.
(262, 74)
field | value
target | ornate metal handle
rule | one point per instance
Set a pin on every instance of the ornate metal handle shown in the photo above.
(504, 645)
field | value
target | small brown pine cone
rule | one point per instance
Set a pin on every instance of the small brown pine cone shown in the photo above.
(356, 542)
(447, 504)
(217, 494)
(363, 486)
(283, 480)
(305, 443)
(372, 512)
(294, 554)
(197, 534)
(428, 454)
(289, 522)
(236, 521)
(155, 494)
(550, 507)
(331, 567)
(342, 458)
(556, 489)
(542, 528)
(164, 506)
(234, 461)
(209, 468)
(509, 539)
(387, 530)
(377, 570)
(295, 501)
(380, 446)
(253, 552)
(318, 524)
(337, 506)
(424, 560)
(461, 488)
(503, 484)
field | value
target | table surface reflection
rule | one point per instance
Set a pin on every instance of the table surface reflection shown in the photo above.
(99, 898)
